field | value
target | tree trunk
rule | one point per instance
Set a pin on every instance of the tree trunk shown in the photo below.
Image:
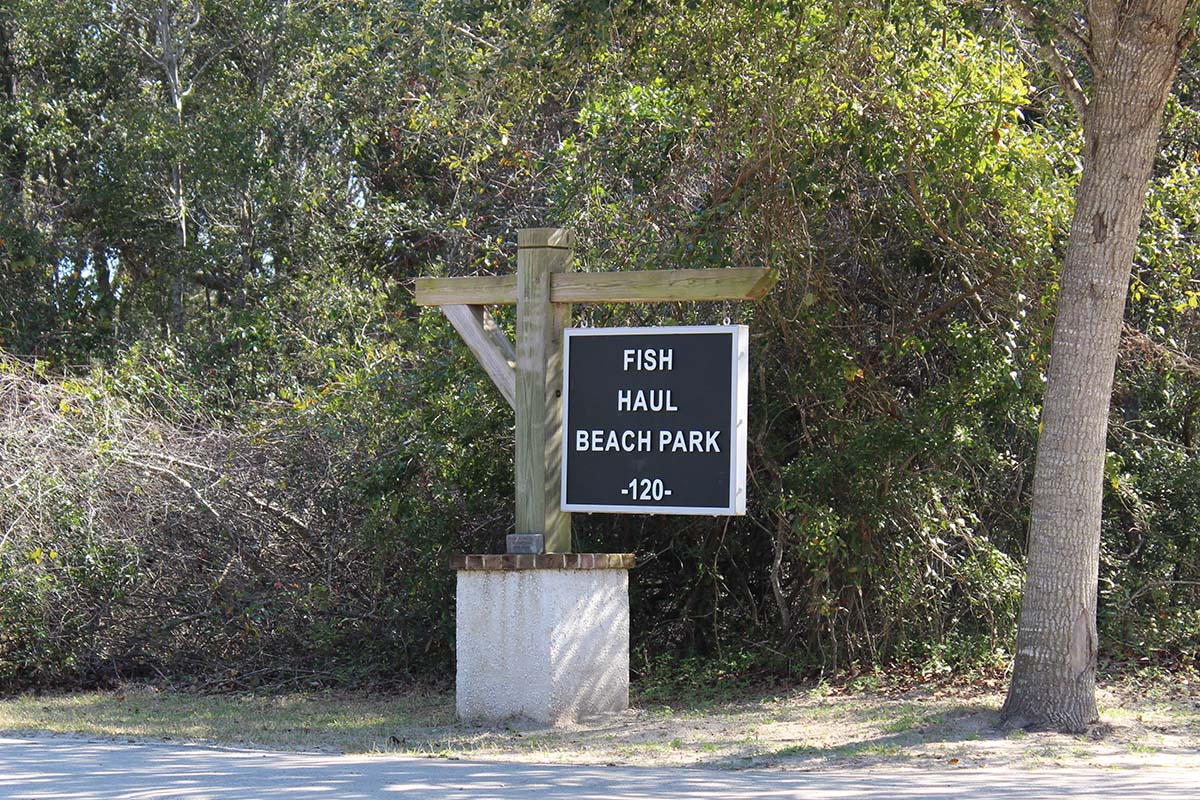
(179, 262)
(166, 34)
(14, 170)
(1135, 49)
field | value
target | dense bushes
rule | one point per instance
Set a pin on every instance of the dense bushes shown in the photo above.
(146, 539)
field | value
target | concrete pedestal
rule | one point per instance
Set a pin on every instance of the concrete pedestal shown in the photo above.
(542, 637)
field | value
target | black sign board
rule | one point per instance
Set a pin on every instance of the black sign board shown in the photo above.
(654, 420)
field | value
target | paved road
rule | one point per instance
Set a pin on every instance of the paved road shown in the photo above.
(72, 769)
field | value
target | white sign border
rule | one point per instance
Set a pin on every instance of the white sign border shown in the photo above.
(740, 357)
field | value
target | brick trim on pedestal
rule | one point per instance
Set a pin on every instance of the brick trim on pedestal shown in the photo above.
(511, 562)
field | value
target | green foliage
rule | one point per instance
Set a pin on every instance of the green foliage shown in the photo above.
(898, 364)
(902, 165)
(694, 681)
(1151, 549)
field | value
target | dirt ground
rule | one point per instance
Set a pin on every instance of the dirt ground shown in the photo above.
(826, 729)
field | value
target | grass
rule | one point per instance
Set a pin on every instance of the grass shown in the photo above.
(805, 727)
(345, 723)
(908, 720)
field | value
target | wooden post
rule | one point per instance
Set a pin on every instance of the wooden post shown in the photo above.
(540, 253)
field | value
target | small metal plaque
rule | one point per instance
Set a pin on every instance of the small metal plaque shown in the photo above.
(525, 543)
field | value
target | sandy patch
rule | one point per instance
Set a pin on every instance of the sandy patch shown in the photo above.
(822, 729)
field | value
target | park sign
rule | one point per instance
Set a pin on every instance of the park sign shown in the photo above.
(654, 420)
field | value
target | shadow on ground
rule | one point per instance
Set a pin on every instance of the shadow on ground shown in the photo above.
(82, 770)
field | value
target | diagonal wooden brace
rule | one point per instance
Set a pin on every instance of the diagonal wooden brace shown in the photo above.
(489, 345)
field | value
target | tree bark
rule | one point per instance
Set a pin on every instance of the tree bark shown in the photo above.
(170, 38)
(14, 169)
(1135, 50)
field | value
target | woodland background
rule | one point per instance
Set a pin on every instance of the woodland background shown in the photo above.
(234, 453)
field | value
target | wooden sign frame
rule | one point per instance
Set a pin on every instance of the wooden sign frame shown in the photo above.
(529, 375)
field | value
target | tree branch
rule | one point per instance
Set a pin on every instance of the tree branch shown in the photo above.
(1137, 344)
(915, 193)
(260, 503)
(1064, 30)
(1066, 78)
(182, 481)
(1062, 71)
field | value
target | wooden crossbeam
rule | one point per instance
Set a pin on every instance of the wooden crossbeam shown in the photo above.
(605, 287)
(482, 290)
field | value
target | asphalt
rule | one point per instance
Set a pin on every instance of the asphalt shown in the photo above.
(60, 768)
